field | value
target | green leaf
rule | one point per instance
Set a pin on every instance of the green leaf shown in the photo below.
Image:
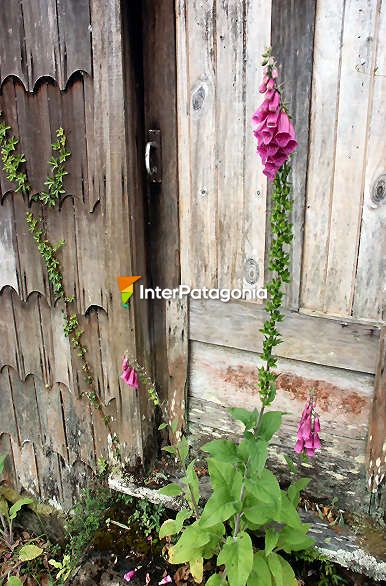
(183, 448)
(237, 555)
(192, 480)
(260, 575)
(248, 418)
(275, 566)
(215, 580)
(2, 462)
(172, 489)
(197, 569)
(288, 513)
(169, 449)
(226, 484)
(295, 488)
(270, 423)
(174, 425)
(271, 539)
(14, 581)
(13, 511)
(254, 453)
(291, 539)
(173, 526)
(162, 426)
(291, 465)
(287, 575)
(189, 545)
(222, 450)
(29, 552)
(55, 564)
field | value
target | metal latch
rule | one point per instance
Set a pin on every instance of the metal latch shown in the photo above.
(153, 159)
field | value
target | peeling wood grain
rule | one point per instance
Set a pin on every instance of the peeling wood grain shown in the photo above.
(376, 448)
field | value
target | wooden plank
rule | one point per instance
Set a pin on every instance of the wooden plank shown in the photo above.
(377, 426)
(371, 269)
(318, 340)
(74, 38)
(8, 244)
(358, 56)
(162, 232)
(258, 37)
(229, 139)
(198, 202)
(323, 124)
(12, 43)
(177, 358)
(293, 26)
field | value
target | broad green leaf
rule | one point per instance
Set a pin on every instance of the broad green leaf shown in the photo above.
(215, 580)
(3, 507)
(222, 450)
(29, 552)
(162, 426)
(237, 555)
(288, 513)
(197, 569)
(172, 489)
(291, 539)
(226, 484)
(14, 581)
(287, 573)
(295, 488)
(13, 511)
(2, 462)
(257, 513)
(254, 452)
(55, 564)
(189, 545)
(265, 489)
(248, 418)
(260, 575)
(275, 566)
(192, 479)
(173, 526)
(270, 423)
(271, 539)
(216, 533)
(174, 425)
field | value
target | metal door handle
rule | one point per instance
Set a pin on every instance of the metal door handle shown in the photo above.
(153, 156)
(149, 145)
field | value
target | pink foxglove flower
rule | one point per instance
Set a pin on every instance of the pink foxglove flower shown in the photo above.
(166, 580)
(276, 138)
(129, 575)
(308, 431)
(129, 374)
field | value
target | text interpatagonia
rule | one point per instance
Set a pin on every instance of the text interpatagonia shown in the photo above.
(224, 295)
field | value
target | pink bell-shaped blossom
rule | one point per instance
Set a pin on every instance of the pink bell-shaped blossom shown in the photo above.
(307, 435)
(129, 375)
(129, 575)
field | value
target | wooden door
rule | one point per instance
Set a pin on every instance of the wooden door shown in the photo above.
(72, 63)
(330, 55)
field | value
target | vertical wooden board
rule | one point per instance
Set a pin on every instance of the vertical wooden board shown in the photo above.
(8, 109)
(198, 203)
(371, 269)
(34, 128)
(358, 56)
(51, 417)
(31, 273)
(8, 250)
(8, 335)
(229, 139)
(61, 351)
(258, 37)
(43, 58)
(9, 473)
(74, 37)
(293, 25)
(12, 43)
(177, 338)
(92, 337)
(376, 455)
(26, 409)
(7, 411)
(78, 426)
(323, 123)
(183, 135)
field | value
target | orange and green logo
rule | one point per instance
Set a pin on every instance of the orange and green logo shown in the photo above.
(126, 287)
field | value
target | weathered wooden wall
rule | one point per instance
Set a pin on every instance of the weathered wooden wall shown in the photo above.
(333, 67)
(69, 63)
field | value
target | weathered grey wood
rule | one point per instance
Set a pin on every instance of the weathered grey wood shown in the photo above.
(308, 338)
(370, 281)
(293, 25)
(377, 425)
(357, 66)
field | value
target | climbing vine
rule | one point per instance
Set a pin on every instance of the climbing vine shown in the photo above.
(12, 163)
